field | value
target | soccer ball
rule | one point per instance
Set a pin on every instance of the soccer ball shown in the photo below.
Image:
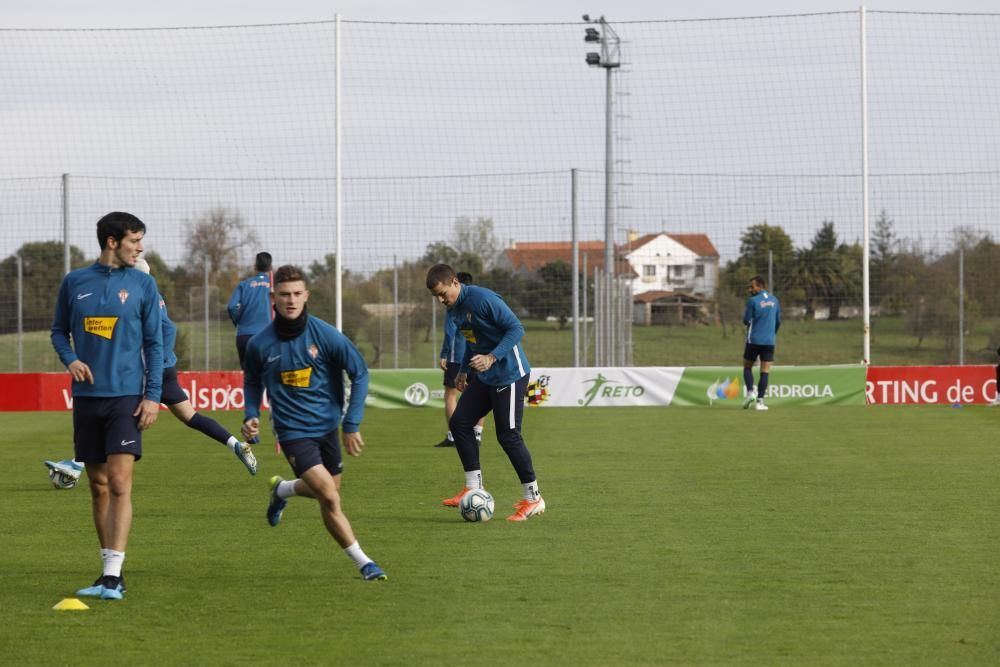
(61, 480)
(476, 505)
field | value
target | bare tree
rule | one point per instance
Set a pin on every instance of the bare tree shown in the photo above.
(217, 237)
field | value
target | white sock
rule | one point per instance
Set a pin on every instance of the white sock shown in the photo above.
(232, 442)
(474, 479)
(451, 438)
(286, 489)
(104, 555)
(355, 553)
(113, 563)
(531, 491)
(478, 430)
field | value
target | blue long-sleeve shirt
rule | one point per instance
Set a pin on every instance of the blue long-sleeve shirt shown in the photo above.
(762, 318)
(304, 380)
(250, 304)
(489, 326)
(453, 346)
(110, 320)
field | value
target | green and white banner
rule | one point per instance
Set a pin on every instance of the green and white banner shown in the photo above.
(717, 387)
(722, 387)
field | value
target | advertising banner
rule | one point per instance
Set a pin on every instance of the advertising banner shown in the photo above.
(602, 387)
(722, 387)
(717, 387)
(408, 388)
(930, 385)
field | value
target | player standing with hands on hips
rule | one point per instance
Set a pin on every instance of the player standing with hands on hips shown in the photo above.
(300, 360)
(762, 319)
(107, 332)
(498, 383)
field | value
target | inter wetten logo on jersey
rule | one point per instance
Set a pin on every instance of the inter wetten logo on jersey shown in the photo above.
(297, 378)
(100, 326)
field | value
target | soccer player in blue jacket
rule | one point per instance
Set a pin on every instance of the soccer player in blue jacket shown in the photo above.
(452, 353)
(107, 332)
(250, 304)
(498, 383)
(762, 318)
(173, 396)
(300, 360)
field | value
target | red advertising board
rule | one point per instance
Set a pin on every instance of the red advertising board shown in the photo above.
(930, 385)
(208, 390)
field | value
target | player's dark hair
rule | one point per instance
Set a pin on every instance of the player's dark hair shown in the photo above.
(262, 262)
(439, 273)
(464, 277)
(116, 225)
(289, 274)
(759, 280)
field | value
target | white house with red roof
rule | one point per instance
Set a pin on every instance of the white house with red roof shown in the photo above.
(661, 262)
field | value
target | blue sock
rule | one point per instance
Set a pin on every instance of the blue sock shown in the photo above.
(748, 379)
(209, 427)
(762, 385)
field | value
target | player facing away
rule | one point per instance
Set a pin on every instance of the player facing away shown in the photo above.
(177, 401)
(498, 383)
(762, 318)
(301, 361)
(452, 352)
(107, 331)
(250, 304)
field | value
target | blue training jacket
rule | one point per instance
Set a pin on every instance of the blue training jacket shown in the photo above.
(250, 305)
(491, 327)
(453, 347)
(110, 320)
(304, 380)
(762, 318)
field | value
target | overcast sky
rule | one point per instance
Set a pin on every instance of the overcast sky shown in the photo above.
(157, 13)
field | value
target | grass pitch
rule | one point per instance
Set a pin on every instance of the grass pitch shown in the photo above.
(805, 536)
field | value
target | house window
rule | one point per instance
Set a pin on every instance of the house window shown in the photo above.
(699, 271)
(649, 270)
(677, 270)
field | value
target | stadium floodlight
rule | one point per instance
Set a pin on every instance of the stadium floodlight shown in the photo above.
(609, 58)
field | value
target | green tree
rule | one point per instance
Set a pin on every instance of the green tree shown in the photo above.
(42, 272)
(757, 244)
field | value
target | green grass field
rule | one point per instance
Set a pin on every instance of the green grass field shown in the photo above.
(800, 343)
(808, 536)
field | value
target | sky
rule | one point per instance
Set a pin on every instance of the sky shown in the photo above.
(156, 13)
(720, 113)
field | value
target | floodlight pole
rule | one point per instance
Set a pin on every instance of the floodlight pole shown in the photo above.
(610, 59)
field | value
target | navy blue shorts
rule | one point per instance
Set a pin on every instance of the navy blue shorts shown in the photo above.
(450, 374)
(241, 347)
(105, 426)
(309, 452)
(172, 393)
(752, 352)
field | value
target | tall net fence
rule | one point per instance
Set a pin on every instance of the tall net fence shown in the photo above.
(736, 149)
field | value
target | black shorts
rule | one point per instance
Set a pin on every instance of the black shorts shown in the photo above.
(752, 352)
(310, 452)
(450, 374)
(172, 393)
(105, 426)
(241, 347)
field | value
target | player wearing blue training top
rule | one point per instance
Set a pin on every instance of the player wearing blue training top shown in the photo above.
(250, 304)
(300, 360)
(762, 319)
(107, 331)
(498, 383)
(452, 353)
(173, 396)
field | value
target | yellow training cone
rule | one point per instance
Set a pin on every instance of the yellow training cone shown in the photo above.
(70, 604)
